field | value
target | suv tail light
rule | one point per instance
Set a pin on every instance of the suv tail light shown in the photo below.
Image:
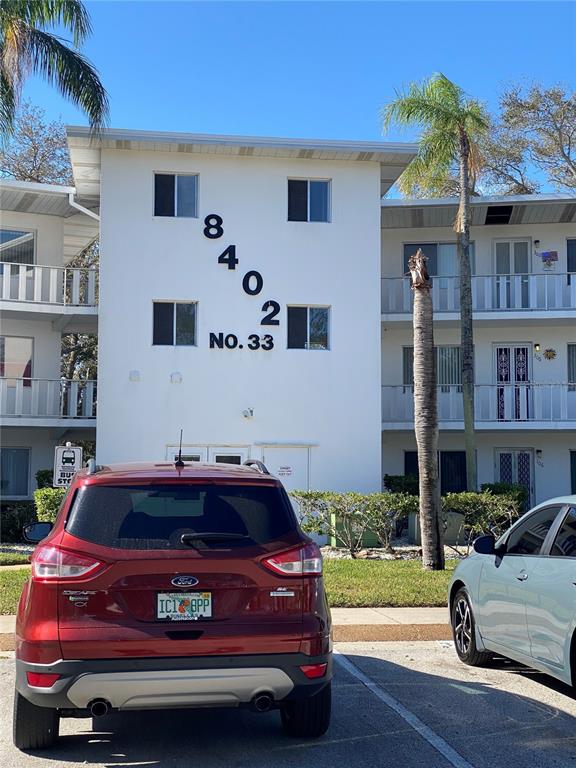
(302, 561)
(55, 563)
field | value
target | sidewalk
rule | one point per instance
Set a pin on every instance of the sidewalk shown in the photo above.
(349, 624)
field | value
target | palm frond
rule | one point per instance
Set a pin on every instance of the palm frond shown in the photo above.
(71, 73)
(50, 13)
(7, 106)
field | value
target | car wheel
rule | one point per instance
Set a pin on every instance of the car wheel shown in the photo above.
(34, 727)
(308, 718)
(464, 631)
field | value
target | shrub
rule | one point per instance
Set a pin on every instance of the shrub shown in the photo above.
(48, 501)
(482, 512)
(14, 515)
(44, 478)
(518, 492)
(402, 484)
(342, 516)
(383, 510)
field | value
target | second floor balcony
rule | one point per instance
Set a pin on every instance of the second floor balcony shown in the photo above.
(546, 292)
(47, 402)
(66, 295)
(497, 406)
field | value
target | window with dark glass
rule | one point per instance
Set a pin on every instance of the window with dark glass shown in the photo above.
(451, 469)
(448, 366)
(528, 537)
(14, 471)
(572, 367)
(308, 328)
(565, 541)
(174, 324)
(16, 246)
(442, 258)
(176, 195)
(571, 255)
(308, 200)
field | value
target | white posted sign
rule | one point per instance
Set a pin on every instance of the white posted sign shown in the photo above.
(67, 461)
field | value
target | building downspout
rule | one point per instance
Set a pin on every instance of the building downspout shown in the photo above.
(81, 208)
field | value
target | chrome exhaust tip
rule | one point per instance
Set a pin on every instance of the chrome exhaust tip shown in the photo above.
(99, 707)
(263, 702)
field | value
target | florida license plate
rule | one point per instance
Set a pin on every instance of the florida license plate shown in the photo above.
(184, 606)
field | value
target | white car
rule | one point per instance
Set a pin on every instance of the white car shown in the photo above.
(516, 597)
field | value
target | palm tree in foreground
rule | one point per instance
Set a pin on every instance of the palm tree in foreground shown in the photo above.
(25, 47)
(426, 415)
(452, 125)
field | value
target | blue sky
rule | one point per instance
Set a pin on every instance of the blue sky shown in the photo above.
(307, 69)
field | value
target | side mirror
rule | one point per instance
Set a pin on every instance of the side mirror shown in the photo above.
(35, 532)
(484, 545)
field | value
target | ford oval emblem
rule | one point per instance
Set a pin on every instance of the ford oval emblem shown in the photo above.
(184, 581)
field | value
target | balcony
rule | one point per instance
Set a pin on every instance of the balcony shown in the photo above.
(497, 406)
(47, 402)
(66, 295)
(548, 292)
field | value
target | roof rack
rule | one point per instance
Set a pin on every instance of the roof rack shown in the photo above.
(260, 466)
(92, 467)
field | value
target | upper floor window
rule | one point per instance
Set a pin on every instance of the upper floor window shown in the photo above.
(572, 367)
(512, 257)
(174, 323)
(308, 200)
(16, 246)
(448, 366)
(176, 195)
(308, 328)
(571, 255)
(442, 257)
(16, 358)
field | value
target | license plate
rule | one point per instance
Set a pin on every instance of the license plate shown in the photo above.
(184, 606)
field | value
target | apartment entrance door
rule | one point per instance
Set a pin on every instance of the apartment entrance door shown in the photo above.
(512, 365)
(512, 259)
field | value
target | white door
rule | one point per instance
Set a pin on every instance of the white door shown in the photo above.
(512, 367)
(229, 455)
(512, 265)
(515, 466)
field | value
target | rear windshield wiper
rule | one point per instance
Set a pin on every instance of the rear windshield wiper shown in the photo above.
(190, 538)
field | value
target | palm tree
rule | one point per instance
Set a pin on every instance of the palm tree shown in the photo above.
(452, 126)
(26, 47)
(426, 415)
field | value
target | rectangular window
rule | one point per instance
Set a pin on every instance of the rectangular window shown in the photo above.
(174, 324)
(16, 246)
(308, 200)
(572, 367)
(570, 258)
(573, 471)
(14, 471)
(308, 328)
(176, 195)
(16, 358)
(512, 257)
(448, 366)
(451, 469)
(442, 257)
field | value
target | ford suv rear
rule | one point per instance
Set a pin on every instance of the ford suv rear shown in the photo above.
(165, 585)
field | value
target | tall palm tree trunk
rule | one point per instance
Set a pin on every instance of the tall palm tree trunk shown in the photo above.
(426, 421)
(466, 325)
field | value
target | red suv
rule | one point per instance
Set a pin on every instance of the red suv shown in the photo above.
(163, 585)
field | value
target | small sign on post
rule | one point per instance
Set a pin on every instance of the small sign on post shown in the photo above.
(67, 461)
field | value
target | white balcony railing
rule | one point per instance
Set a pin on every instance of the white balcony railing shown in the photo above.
(497, 403)
(48, 398)
(490, 293)
(66, 286)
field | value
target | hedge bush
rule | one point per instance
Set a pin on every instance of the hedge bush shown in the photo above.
(48, 502)
(44, 478)
(402, 484)
(14, 515)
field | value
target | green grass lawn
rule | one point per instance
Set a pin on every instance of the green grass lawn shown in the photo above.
(13, 558)
(384, 583)
(349, 584)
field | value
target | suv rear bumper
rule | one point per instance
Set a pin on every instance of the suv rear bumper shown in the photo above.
(157, 683)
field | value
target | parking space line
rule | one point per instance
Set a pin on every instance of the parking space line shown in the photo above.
(436, 741)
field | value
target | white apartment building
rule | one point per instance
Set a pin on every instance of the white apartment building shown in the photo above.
(41, 228)
(251, 293)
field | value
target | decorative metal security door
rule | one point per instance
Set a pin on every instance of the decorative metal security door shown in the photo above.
(513, 382)
(515, 466)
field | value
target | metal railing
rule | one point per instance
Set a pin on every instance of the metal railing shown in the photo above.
(48, 398)
(66, 286)
(490, 293)
(497, 403)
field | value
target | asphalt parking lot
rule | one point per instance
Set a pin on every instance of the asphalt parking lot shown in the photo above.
(395, 704)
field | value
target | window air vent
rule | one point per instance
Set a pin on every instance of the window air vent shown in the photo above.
(498, 214)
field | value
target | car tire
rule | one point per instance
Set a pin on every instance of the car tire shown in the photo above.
(308, 718)
(34, 727)
(464, 631)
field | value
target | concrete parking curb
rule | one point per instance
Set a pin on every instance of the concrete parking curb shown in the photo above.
(349, 624)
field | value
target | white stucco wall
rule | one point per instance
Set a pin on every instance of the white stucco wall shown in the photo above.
(328, 398)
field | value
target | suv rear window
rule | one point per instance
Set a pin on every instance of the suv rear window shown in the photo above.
(157, 516)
